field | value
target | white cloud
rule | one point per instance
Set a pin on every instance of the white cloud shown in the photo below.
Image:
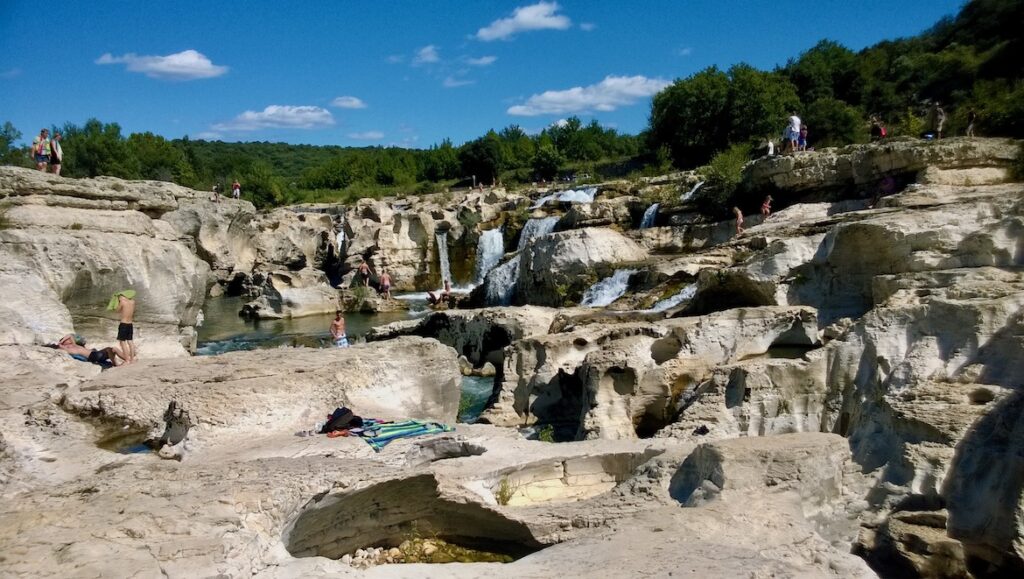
(348, 102)
(587, 26)
(395, 58)
(367, 136)
(279, 117)
(426, 55)
(607, 95)
(453, 82)
(687, 51)
(209, 135)
(540, 16)
(185, 65)
(482, 61)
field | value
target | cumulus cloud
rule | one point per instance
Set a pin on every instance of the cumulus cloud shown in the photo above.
(367, 136)
(185, 65)
(609, 94)
(279, 117)
(540, 16)
(348, 102)
(453, 82)
(426, 55)
(482, 61)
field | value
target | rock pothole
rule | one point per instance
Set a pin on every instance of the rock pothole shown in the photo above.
(394, 513)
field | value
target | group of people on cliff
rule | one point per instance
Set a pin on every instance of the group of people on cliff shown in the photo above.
(236, 191)
(47, 152)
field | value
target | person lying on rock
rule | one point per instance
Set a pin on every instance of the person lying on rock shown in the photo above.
(103, 357)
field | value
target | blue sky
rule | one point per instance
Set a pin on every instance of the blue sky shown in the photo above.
(407, 73)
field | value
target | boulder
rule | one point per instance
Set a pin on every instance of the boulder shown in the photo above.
(293, 294)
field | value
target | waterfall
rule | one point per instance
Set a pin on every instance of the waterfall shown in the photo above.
(608, 289)
(535, 228)
(649, 215)
(489, 249)
(686, 196)
(569, 196)
(501, 283)
(671, 302)
(442, 256)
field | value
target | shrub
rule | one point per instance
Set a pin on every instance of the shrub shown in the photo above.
(546, 433)
(723, 176)
(506, 490)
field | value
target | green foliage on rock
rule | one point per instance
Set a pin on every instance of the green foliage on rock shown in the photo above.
(723, 175)
(833, 123)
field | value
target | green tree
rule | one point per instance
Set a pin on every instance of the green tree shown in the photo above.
(441, 162)
(828, 70)
(831, 123)
(97, 149)
(759, 103)
(264, 187)
(157, 157)
(690, 117)
(10, 153)
(482, 158)
(546, 162)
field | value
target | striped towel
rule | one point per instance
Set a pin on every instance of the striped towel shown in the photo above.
(378, 435)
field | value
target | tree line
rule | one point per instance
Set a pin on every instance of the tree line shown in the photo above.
(969, 62)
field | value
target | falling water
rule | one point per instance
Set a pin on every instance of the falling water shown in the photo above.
(608, 289)
(689, 194)
(535, 228)
(489, 249)
(442, 255)
(501, 283)
(569, 196)
(649, 215)
(671, 302)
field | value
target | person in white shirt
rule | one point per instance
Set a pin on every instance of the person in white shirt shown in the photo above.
(793, 131)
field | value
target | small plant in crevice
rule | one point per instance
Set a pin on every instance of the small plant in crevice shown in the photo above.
(506, 490)
(75, 226)
(546, 433)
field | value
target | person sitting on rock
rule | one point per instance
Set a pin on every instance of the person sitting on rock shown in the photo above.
(385, 284)
(766, 207)
(441, 296)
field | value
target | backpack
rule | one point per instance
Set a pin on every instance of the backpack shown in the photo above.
(341, 419)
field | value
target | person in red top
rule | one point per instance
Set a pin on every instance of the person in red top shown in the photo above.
(236, 189)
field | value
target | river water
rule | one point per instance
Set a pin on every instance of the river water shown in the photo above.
(224, 331)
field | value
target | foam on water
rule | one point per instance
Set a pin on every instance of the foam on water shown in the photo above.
(442, 256)
(501, 283)
(489, 249)
(585, 195)
(649, 216)
(689, 194)
(535, 228)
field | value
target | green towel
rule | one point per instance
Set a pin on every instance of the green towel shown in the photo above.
(128, 293)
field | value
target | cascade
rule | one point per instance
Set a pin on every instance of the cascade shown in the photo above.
(489, 249)
(689, 194)
(569, 196)
(501, 283)
(649, 215)
(442, 256)
(535, 228)
(673, 301)
(608, 289)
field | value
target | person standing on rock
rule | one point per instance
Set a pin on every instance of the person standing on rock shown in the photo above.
(739, 219)
(41, 149)
(971, 118)
(385, 284)
(236, 189)
(56, 154)
(124, 302)
(338, 331)
(364, 273)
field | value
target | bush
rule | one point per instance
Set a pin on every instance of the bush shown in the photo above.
(723, 176)
(833, 123)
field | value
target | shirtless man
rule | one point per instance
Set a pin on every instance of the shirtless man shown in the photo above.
(338, 331)
(364, 272)
(739, 220)
(126, 329)
(95, 356)
(441, 296)
(385, 284)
